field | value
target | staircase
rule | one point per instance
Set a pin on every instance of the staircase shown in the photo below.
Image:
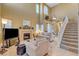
(70, 38)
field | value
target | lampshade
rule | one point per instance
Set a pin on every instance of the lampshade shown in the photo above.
(4, 21)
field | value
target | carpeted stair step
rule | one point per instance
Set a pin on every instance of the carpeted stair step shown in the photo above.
(74, 45)
(70, 36)
(69, 48)
(75, 34)
(70, 40)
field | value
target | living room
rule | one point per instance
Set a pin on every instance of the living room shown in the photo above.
(35, 21)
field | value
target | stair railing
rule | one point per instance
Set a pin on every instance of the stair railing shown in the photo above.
(62, 29)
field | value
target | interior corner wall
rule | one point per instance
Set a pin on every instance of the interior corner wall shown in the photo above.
(65, 9)
(17, 12)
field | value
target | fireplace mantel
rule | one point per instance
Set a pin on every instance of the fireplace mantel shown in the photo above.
(23, 31)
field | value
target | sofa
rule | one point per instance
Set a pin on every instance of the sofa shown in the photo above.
(39, 47)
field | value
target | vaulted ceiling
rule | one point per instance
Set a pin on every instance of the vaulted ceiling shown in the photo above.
(52, 4)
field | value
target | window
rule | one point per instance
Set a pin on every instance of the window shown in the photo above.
(42, 28)
(41, 11)
(37, 27)
(26, 22)
(45, 10)
(37, 8)
(8, 23)
(49, 28)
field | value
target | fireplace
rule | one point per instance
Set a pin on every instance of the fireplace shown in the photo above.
(26, 36)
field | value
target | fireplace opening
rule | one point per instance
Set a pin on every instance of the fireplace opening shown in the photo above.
(26, 36)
